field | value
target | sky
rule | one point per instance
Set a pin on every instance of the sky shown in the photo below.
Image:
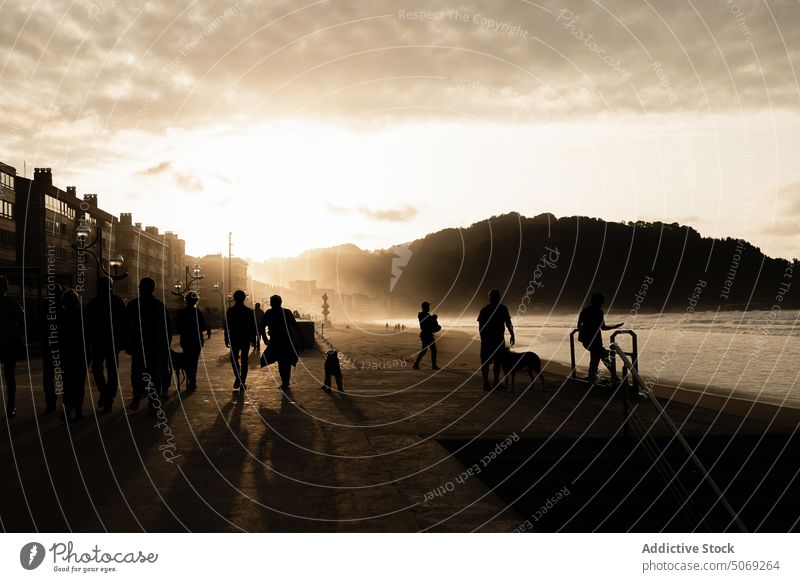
(312, 123)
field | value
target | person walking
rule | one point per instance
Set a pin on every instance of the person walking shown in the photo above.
(191, 325)
(591, 324)
(493, 320)
(12, 323)
(241, 332)
(106, 332)
(74, 361)
(283, 343)
(428, 326)
(150, 335)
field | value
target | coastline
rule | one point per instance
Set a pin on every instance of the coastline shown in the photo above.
(370, 345)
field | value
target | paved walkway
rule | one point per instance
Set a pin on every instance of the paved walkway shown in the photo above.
(216, 461)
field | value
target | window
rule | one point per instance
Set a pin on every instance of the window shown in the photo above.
(59, 206)
(6, 180)
(7, 239)
(6, 209)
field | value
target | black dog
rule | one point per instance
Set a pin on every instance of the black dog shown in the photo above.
(332, 368)
(178, 367)
(513, 362)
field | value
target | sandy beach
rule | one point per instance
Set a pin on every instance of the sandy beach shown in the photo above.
(401, 450)
(370, 347)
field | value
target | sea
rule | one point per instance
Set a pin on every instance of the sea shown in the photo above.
(750, 355)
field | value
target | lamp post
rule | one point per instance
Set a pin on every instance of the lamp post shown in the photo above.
(181, 289)
(217, 288)
(82, 234)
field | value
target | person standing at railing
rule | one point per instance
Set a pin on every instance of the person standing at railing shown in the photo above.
(591, 324)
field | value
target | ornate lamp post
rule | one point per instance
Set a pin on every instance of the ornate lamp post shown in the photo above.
(182, 289)
(82, 234)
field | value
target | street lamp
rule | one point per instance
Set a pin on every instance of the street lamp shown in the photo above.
(82, 233)
(116, 262)
(182, 289)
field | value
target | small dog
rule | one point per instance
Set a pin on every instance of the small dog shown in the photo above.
(332, 368)
(513, 362)
(178, 367)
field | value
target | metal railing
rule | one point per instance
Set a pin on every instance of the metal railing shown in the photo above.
(632, 368)
(634, 354)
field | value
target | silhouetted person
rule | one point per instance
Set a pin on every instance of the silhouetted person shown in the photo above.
(428, 325)
(74, 361)
(591, 323)
(11, 327)
(191, 325)
(493, 320)
(106, 333)
(282, 347)
(52, 381)
(241, 332)
(258, 315)
(149, 340)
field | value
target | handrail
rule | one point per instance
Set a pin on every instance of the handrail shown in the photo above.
(663, 414)
(634, 353)
(574, 373)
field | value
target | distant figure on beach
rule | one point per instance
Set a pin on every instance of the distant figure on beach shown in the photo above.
(591, 324)
(428, 326)
(150, 335)
(241, 332)
(73, 355)
(493, 320)
(106, 333)
(258, 315)
(191, 325)
(51, 354)
(12, 324)
(283, 342)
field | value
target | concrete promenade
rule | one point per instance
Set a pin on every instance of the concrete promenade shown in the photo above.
(366, 461)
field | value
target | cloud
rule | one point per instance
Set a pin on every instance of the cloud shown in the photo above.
(402, 214)
(789, 195)
(188, 182)
(333, 209)
(512, 61)
(157, 169)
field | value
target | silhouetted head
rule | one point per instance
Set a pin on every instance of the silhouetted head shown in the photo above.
(3, 285)
(147, 287)
(104, 286)
(258, 306)
(239, 296)
(70, 299)
(494, 296)
(192, 298)
(426, 307)
(275, 301)
(598, 299)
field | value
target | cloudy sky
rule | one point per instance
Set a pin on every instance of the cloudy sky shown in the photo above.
(310, 123)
